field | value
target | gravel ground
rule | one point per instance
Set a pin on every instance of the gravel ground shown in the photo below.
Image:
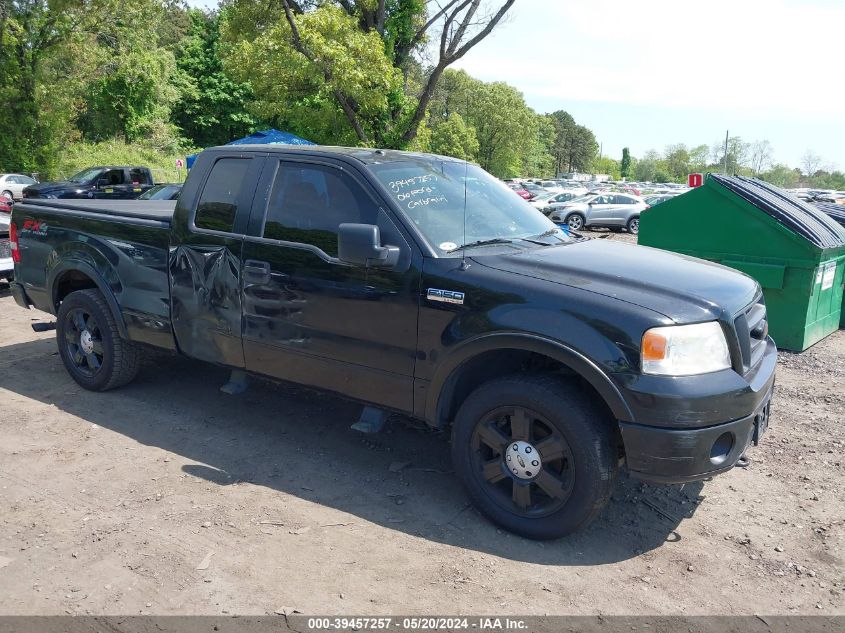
(167, 497)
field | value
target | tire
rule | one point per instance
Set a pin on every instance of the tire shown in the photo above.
(576, 221)
(7, 194)
(574, 440)
(90, 345)
(633, 225)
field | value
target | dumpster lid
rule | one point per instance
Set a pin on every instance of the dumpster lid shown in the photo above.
(836, 212)
(804, 219)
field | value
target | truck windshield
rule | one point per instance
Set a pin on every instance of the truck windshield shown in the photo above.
(434, 193)
(86, 175)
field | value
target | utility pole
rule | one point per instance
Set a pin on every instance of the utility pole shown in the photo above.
(726, 152)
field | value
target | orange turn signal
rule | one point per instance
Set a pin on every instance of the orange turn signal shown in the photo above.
(654, 346)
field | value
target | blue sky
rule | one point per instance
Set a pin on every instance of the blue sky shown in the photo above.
(649, 73)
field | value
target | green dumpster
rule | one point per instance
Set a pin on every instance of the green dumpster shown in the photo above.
(795, 252)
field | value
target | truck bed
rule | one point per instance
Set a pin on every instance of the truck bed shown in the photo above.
(158, 210)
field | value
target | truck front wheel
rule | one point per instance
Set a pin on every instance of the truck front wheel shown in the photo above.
(90, 345)
(536, 455)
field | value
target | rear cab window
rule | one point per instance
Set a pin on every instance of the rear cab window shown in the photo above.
(221, 196)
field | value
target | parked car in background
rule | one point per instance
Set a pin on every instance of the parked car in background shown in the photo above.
(549, 203)
(166, 191)
(654, 200)
(7, 266)
(615, 211)
(6, 205)
(521, 191)
(534, 190)
(110, 183)
(12, 185)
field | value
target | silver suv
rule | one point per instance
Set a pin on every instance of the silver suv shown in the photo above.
(615, 211)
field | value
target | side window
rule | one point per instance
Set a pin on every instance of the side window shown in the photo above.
(113, 176)
(308, 203)
(218, 204)
(26, 180)
(138, 176)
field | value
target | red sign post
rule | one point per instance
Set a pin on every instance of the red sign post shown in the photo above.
(695, 180)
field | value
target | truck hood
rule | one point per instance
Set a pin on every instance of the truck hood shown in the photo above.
(684, 289)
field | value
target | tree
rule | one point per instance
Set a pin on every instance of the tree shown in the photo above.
(737, 156)
(33, 120)
(761, 156)
(625, 168)
(811, 162)
(698, 158)
(564, 126)
(512, 138)
(782, 176)
(677, 162)
(351, 58)
(647, 166)
(607, 165)
(211, 106)
(453, 137)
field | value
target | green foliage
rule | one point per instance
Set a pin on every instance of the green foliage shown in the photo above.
(625, 167)
(677, 159)
(132, 96)
(607, 165)
(782, 176)
(302, 89)
(211, 107)
(453, 137)
(574, 146)
(828, 180)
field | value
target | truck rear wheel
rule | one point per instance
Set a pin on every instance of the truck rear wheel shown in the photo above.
(536, 455)
(90, 345)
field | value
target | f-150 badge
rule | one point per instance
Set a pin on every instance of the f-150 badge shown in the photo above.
(445, 296)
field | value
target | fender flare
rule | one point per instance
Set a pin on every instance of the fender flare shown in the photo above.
(564, 354)
(69, 265)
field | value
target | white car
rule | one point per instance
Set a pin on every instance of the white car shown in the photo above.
(615, 211)
(553, 201)
(6, 265)
(12, 185)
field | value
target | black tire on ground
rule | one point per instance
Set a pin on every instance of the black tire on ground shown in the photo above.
(576, 221)
(90, 345)
(575, 441)
(633, 225)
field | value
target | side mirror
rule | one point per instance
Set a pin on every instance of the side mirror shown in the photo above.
(360, 245)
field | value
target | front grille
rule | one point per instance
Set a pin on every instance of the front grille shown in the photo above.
(752, 328)
(5, 251)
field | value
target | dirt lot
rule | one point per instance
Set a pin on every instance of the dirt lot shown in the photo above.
(169, 497)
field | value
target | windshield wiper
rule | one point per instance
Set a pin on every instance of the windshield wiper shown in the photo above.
(495, 240)
(536, 238)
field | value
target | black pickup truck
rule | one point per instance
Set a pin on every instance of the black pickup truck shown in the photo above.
(102, 183)
(419, 284)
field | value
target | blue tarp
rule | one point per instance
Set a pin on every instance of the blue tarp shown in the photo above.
(271, 137)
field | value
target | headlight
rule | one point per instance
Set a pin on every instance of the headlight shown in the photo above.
(684, 350)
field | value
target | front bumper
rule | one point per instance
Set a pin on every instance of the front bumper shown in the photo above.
(692, 433)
